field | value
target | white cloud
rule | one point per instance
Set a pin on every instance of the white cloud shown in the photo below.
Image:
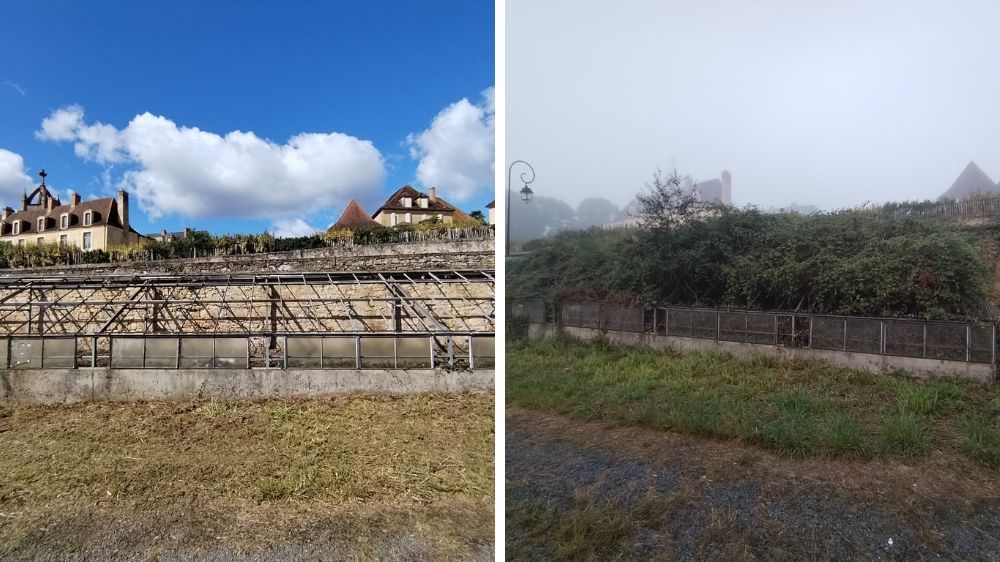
(187, 171)
(16, 87)
(456, 151)
(291, 228)
(13, 178)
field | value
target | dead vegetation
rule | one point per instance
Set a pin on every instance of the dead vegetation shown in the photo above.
(377, 468)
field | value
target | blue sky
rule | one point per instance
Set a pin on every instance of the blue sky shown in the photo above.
(328, 100)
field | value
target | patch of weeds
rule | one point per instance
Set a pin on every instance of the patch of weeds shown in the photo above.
(281, 412)
(303, 484)
(918, 399)
(842, 434)
(981, 440)
(215, 408)
(796, 403)
(904, 433)
(724, 537)
(791, 434)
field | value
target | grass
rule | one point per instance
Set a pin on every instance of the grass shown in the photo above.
(357, 454)
(800, 408)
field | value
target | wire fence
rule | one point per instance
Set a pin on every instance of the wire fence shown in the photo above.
(952, 341)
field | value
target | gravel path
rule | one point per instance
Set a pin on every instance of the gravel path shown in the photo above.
(731, 501)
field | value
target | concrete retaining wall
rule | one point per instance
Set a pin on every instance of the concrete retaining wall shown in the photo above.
(980, 372)
(52, 386)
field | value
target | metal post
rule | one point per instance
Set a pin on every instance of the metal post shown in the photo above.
(746, 327)
(810, 332)
(284, 353)
(925, 339)
(431, 341)
(845, 334)
(968, 342)
(248, 352)
(881, 336)
(718, 325)
(472, 363)
(655, 332)
(177, 357)
(93, 351)
(993, 346)
(143, 353)
(775, 317)
(357, 352)
(666, 321)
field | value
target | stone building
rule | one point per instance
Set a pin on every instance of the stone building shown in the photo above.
(408, 205)
(88, 225)
(491, 208)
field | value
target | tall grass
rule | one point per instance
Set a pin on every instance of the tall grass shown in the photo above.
(799, 408)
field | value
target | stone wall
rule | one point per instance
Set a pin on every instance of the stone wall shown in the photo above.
(414, 256)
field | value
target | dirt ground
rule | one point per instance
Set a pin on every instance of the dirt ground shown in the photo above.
(349, 478)
(597, 491)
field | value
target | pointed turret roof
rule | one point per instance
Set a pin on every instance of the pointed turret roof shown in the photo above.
(972, 180)
(354, 217)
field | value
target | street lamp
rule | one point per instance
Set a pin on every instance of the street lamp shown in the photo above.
(526, 194)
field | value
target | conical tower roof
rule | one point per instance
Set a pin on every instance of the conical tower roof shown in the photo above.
(972, 180)
(354, 217)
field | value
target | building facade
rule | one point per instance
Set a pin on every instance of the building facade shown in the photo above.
(409, 206)
(88, 225)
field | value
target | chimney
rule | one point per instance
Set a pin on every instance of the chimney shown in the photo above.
(50, 203)
(433, 194)
(24, 202)
(123, 208)
(727, 188)
(7, 212)
(74, 199)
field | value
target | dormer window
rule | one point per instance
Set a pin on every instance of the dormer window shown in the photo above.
(64, 221)
(422, 202)
(88, 218)
(407, 201)
(17, 227)
(41, 224)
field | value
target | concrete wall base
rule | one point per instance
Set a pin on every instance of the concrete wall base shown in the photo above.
(920, 367)
(53, 386)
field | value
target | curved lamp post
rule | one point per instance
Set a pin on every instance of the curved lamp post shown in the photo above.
(526, 193)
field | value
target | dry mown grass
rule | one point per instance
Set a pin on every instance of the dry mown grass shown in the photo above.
(361, 454)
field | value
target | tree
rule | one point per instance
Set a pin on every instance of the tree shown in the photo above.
(478, 216)
(666, 205)
(596, 211)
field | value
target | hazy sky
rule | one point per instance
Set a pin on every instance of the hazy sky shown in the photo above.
(829, 103)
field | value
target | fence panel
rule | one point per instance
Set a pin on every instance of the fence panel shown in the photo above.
(947, 341)
(982, 343)
(864, 335)
(904, 338)
(828, 332)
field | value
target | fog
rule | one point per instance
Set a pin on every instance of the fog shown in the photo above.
(829, 104)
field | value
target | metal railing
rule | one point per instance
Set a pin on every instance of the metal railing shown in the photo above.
(952, 341)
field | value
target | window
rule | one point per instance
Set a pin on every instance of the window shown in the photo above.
(17, 227)
(64, 221)
(64, 240)
(395, 219)
(409, 217)
(41, 224)
(88, 218)
(407, 201)
(440, 217)
(422, 202)
(86, 240)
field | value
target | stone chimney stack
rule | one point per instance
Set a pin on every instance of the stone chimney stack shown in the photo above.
(123, 208)
(50, 203)
(24, 202)
(74, 199)
(7, 212)
(433, 194)
(727, 188)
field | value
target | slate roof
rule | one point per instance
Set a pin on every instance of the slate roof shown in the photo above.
(354, 217)
(394, 202)
(105, 213)
(972, 180)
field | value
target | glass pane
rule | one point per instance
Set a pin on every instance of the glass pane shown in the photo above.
(484, 351)
(413, 353)
(161, 353)
(377, 353)
(304, 352)
(59, 353)
(126, 353)
(231, 353)
(26, 353)
(196, 352)
(338, 353)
